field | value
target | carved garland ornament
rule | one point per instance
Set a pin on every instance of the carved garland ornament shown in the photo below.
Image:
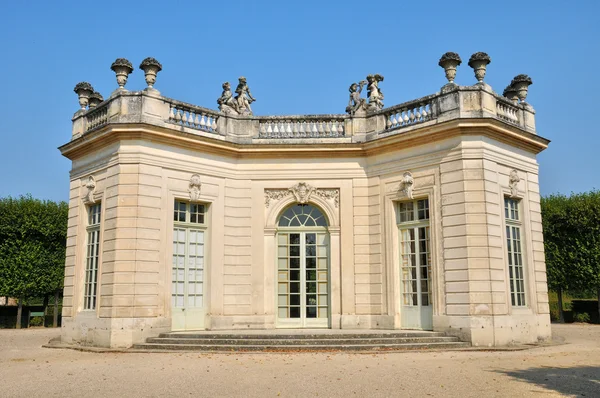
(513, 182)
(302, 192)
(90, 185)
(194, 188)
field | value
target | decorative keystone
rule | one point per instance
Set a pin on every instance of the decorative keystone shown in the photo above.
(84, 90)
(95, 99)
(479, 62)
(151, 67)
(521, 84)
(122, 68)
(511, 93)
(449, 62)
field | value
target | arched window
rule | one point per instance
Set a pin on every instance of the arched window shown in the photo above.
(302, 215)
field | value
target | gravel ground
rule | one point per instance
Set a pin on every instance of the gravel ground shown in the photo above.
(571, 369)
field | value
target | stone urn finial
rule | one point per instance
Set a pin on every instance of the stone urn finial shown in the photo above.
(95, 99)
(151, 67)
(122, 68)
(449, 62)
(84, 90)
(521, 85)
(511, 93)
(479, 62)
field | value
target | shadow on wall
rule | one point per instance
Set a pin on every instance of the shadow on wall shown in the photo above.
(579, 381)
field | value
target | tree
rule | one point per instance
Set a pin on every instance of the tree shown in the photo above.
(32, 247)
(572, 242)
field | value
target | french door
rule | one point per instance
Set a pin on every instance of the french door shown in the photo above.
(415, 265)
(303, 279)
(187, 277)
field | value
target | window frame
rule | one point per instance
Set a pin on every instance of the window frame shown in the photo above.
(516, 273)
(90, 282)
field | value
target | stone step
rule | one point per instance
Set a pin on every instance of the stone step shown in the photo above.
(304, 341)
(287, 336)
(298, 348)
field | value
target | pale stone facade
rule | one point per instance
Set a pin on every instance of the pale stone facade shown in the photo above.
(463, 151)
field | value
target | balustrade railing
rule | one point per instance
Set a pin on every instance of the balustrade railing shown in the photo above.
(408, 114)
(194, 117)
(96, 117)
(302, 127)
(507, 112)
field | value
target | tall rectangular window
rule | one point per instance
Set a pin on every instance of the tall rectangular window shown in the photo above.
(514, 252)
(415, 252)
(189, 235)
(91, 259)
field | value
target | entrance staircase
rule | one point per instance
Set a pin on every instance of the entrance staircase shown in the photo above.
(299, 341)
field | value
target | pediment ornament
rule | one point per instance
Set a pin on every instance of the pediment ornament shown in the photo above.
(302, 192)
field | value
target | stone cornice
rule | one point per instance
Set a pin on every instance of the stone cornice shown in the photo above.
(489, 127)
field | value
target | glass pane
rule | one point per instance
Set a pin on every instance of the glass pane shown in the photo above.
(295, 299)
(282, 299)
(322, 287)
(282, 239)
(282, 287)
(322, 263)
(322, 312)
(295, 263)
(294, 312)
(283, 312)
(295, 287)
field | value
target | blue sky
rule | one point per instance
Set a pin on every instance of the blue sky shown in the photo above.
(298, 57)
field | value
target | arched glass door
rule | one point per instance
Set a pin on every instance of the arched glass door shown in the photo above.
(302, 268)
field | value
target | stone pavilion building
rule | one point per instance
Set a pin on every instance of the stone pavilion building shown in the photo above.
(423, 215)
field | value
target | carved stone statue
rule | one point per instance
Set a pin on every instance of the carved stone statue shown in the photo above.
(227, 104)
(374, 93)
(194, 188)
(513, 182)
(356, 103)
(243, 98)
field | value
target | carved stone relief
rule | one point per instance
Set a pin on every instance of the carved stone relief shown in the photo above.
(302, 192)
(194, 188)
(513, 182)
(90, 185)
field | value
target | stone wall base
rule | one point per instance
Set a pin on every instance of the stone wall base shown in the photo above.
(497, 330)
(88, 330)
(367, 322)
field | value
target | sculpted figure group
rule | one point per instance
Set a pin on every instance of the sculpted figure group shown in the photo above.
(240, 105)
(358, 105)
